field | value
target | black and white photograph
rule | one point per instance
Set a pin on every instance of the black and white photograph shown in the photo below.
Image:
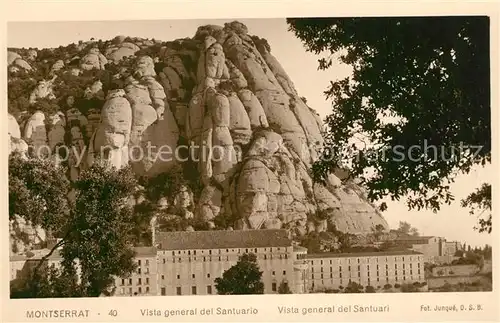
(293, 155)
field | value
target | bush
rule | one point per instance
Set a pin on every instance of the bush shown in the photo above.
(446, 288)
(409, 288)
(369, 289)
(387, 286)
(397, 285)
(354, 287)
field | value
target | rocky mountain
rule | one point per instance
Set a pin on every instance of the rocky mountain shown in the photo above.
(220, 94)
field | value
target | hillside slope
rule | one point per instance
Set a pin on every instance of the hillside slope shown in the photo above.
(220, 92)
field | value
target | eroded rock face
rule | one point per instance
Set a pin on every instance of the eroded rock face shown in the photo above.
(16, 144)
(224, 94)
(58, 65)
(121, 50)
(57, 125)
(245, 98)
(32, 54)
(110, 140)
(35, 133)
(22, 64)
(12, 56)
(154, 132)
(93, 60)
(94, 91)
(42, 90)
(13, 127)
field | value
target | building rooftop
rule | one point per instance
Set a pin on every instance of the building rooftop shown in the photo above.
(411, 238)
(145, 251)
(363, 254)
(35, 255)
(223, 239)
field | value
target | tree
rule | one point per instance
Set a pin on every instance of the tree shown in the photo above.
(404, 227)
(410, 288)
(479, 204)
(414, 232)
(94, 230)
(49, 282)
(346, 240)
(284, 288)
(369, 289)
(378, 231)
(487, 252)
(38, 193)
(242, 278)
(102, 228)
(353, 287)
(415, 112)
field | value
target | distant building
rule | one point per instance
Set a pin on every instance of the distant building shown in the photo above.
(435, 249)
(144, 281)
(429, 246)
(333, 270)
(22, 265)
(301, 270)
(451, 247)
(189, 262)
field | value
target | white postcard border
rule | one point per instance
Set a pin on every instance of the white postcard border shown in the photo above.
(403, 307)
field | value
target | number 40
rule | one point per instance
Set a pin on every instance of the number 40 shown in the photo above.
(113, 313)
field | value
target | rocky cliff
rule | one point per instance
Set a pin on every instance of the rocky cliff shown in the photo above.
(221, 92)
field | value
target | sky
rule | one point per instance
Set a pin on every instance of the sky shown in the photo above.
(452, 222)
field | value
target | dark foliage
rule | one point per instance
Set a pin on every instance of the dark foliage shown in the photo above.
(479, 204)
(95, 231)
(353, 287)
(242, 278)
(417, 81)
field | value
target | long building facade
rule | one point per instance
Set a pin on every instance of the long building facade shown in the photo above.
(435, 249)
(337, 270)
(188, 263)
(144, 281)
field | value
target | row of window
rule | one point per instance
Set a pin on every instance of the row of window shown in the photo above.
(219, 251)
(358, 260)
(220, 258)
(368, 267)
(146, 263)
(412, 278)
(208, 275)
(130, 291)
(139, 281)
(368, 274)
(194, 291)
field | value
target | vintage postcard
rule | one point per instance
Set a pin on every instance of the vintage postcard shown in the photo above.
(330, 164)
